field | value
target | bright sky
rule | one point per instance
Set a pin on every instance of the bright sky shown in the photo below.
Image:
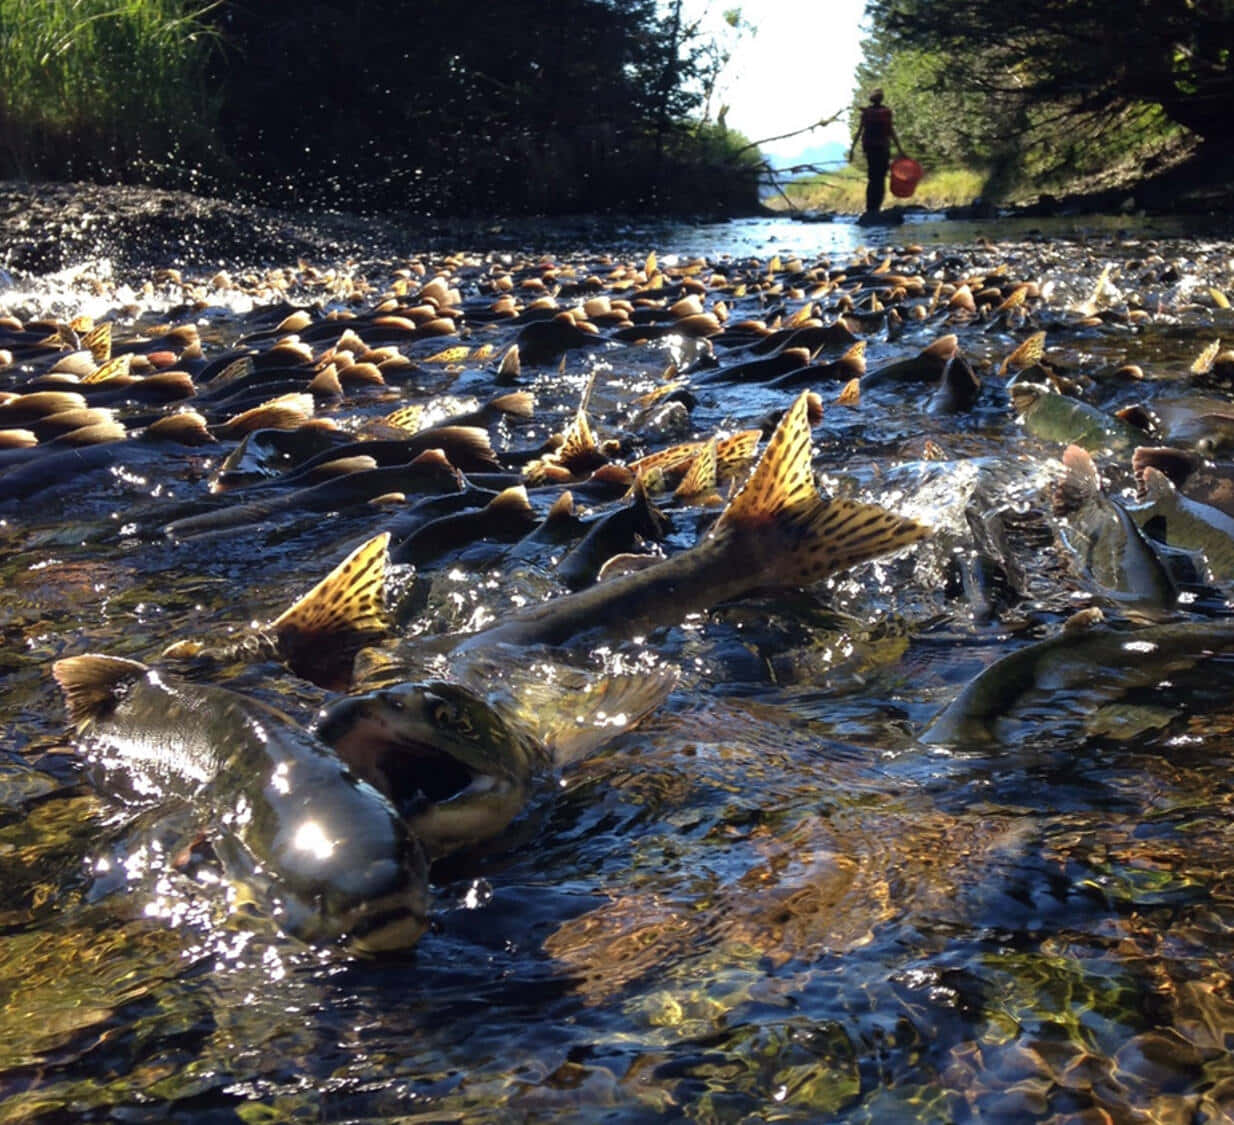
(796, 69)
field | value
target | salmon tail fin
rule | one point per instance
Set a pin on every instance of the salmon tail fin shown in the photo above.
(91, 683)
(1029, 351)
(802, 537)
(579, 445)
(700, 479)
(406, 417)
(347, 606)
(735, 452)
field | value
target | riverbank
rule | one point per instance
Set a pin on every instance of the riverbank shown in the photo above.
(45, 227)
(1193, 180)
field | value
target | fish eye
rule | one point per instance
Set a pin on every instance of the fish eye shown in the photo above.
(446, 714)
(443, 714)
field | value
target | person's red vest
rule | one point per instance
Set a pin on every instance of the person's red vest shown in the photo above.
(876, 127)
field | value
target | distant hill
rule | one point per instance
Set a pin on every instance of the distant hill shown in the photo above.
(830, 154)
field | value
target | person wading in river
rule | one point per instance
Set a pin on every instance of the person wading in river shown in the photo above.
(876, 132)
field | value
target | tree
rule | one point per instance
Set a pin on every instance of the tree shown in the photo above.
(1050, 89)
(518, 106)
(1094, 57)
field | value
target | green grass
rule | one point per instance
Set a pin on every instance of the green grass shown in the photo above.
(104, 88)
(845, 190)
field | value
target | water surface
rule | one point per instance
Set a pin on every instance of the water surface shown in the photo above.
(772, 901)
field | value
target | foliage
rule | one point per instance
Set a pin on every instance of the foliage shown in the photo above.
(1092, 56)
(578, 105)
(360, 104)
(1037, 96)
(102, 88)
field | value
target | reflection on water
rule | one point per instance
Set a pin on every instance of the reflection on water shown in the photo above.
(766, 236)
(769, 902)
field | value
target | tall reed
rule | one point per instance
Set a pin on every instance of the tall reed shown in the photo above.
(109, 89)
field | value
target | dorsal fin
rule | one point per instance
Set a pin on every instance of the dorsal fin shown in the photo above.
(855, 357)
(651, 522)
(347, 604)
(236, 369)
(326, 381)
(1157, 487)
(39, 404)
(285, 412)
(562, 509)
(510, 366)
(463, 443)
(1080, 483)
(1177, 464)
(90, 683)
(783, 478)
(626, 563)
(804, 537)
(612, 475)
(95, 433)
(169, 383)
(672, 458)
(943, 348)
(186, 426)
(518, 404)
(436, 457)
(512, 499)
(342, 466)
(67, 420)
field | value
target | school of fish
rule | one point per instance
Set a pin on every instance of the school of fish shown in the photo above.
(575, 416)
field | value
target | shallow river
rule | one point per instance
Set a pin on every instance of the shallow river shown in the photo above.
(786, 895)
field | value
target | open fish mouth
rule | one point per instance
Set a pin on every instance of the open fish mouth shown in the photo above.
(411, 769)
(447, 761)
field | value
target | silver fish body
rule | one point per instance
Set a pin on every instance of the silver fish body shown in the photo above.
(325, 852)
(1069, 678)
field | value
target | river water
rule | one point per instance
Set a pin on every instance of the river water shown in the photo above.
(780, 898)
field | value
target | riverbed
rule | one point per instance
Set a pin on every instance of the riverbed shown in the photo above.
(778, 898)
